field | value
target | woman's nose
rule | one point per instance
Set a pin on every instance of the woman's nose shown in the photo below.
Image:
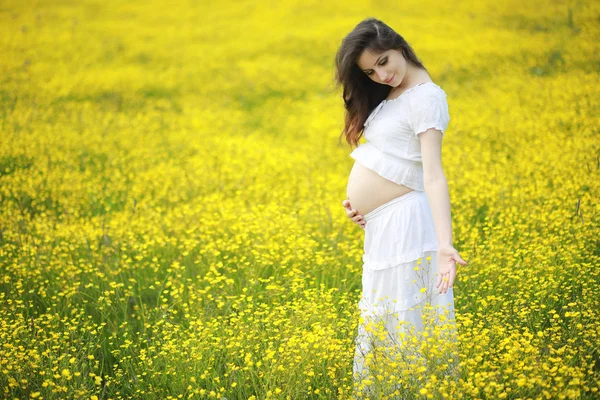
(382, 76)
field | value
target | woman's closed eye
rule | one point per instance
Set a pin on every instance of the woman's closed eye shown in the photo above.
(382, 62)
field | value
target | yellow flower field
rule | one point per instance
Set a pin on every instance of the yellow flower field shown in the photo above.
(170, 199)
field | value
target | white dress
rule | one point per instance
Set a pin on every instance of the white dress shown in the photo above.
(399, 275)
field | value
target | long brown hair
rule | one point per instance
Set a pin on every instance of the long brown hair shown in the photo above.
(361, 95)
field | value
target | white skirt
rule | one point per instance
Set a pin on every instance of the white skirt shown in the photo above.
(399, 275)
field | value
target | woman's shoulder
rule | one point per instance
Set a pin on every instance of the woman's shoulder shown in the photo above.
(429, 107)
(428, 93)
(432, 88)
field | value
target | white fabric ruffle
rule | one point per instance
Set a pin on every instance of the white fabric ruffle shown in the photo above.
(398, 170)
(397, 234)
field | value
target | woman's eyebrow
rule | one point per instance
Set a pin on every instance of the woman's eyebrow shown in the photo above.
(365, 70)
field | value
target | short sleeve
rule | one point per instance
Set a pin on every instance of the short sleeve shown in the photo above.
(430, 110)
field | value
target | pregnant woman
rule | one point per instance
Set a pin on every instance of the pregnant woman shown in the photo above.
(397, 190)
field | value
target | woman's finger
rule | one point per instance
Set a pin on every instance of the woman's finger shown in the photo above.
(347, 205)
(449, 280)
(452, 278)
(459, 259)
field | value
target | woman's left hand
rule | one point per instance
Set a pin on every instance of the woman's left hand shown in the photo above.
(447, 258)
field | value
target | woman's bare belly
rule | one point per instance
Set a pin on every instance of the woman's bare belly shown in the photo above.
(368, 190)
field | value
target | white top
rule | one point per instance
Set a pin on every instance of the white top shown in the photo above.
(392, 147)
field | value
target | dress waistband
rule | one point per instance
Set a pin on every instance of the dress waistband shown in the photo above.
(397, 200)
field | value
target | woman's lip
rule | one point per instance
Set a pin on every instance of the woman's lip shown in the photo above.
(391, 79)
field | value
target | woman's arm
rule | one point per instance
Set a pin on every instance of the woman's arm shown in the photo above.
(436, 189)
(436, 186)
(439, 201)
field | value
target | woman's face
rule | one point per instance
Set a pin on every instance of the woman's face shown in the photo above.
(387, 68)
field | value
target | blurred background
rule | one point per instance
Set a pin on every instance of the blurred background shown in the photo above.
(171, 184)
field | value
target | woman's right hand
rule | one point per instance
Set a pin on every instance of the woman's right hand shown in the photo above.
(353, 214)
